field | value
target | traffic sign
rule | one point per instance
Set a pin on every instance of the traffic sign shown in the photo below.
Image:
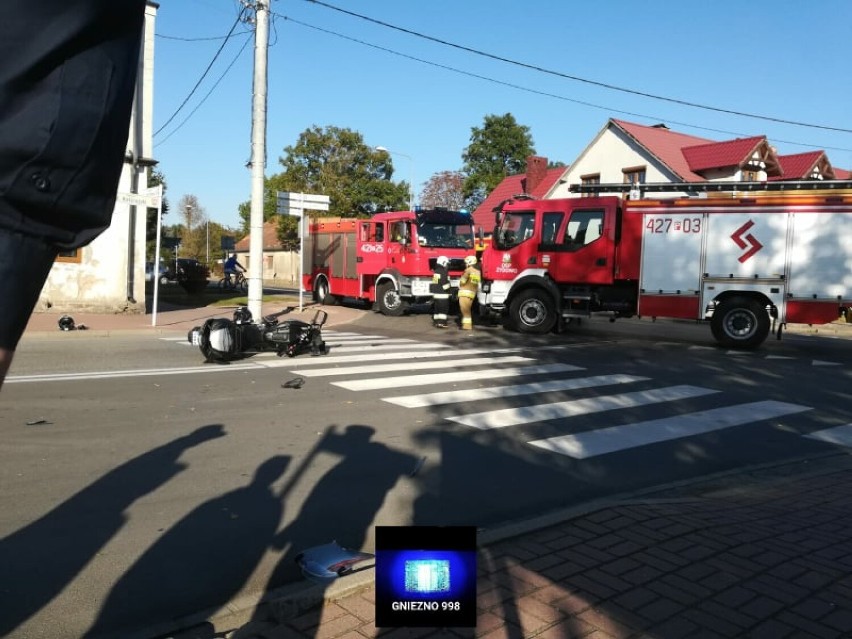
(149, 198)
(295, 203)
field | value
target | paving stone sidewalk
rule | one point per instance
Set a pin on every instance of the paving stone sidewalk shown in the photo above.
(763, 555)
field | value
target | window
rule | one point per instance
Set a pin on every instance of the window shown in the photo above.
(73, 256)
(749, 176)
(591, 178)
(550, 227)
(583, 228)
(372, 232)
(634, 175)
(516, 227)
(398, 231)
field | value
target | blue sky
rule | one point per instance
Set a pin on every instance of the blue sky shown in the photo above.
(784, 60)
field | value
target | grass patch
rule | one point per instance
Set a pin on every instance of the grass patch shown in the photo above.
(242, 300)
(212, 296)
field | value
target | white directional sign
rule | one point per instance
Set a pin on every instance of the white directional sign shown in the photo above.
(149, 198)
(295, 203)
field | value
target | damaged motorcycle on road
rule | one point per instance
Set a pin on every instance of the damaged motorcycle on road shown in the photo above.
(223, 340)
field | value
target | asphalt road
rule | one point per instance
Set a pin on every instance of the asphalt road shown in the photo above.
(140, 484)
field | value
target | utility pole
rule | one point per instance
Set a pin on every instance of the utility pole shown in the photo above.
(258, 159)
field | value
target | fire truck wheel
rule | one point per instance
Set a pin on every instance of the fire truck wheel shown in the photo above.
(390, 301)
(532, 311)
(740, 322)
(322, 295)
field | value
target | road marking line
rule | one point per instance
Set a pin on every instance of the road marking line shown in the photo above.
(840, 435)
(819, 362)
(476, 394)
(616, 438)
(406, 366)
(367, 339)
(63, 377)
(420, 346)
(542, 412)
(408, 354)
(379, 383)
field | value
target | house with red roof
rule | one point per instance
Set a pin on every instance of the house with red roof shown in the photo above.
(629, 153)
(813, 165)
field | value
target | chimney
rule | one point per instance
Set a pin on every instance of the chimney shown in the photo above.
(536, 170)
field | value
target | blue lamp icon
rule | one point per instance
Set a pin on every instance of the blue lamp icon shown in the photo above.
(427, 575)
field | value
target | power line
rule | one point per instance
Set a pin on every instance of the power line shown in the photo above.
(224, 37)
(604, 85)
(203, 75)
(204, 99)
(536, 91)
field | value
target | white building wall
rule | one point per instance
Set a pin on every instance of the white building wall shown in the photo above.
(110, 276)
(608, 155)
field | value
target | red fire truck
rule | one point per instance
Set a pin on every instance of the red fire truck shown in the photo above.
(743, 260)
(386, 259)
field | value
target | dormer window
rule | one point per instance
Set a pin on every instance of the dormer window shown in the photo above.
(634, 175)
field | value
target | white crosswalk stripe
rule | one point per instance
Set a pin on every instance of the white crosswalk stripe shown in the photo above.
(542, 412)
(840, 435)
(616, 438)
(407, 355)
(494, 392)
(380, 383)
(408, 366)
(374, 348)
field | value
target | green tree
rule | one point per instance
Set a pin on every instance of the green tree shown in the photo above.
(336, 162)
(498, 149)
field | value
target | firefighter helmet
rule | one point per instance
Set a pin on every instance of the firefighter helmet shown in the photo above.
(470, 260)
(443, 260)
(66, 323)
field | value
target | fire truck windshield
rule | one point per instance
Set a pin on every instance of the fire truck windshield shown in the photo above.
(515, 227)
(430, 234)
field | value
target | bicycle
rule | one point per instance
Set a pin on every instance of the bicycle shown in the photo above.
(237, 281)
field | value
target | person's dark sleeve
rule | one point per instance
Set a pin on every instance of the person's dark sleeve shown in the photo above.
(67, 78)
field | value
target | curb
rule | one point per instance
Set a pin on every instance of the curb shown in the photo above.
(292, 600)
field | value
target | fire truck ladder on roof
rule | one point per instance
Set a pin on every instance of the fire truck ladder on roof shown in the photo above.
(708, 187)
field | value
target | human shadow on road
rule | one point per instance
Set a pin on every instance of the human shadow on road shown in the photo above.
(38, 561)
(343, 504)
(202, 561)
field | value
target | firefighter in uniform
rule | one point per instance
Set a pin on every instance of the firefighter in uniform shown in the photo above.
(440, 290)
(468, 286)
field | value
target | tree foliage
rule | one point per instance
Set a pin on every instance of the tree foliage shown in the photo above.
(444, 189)
(498, 149)
(336, 162)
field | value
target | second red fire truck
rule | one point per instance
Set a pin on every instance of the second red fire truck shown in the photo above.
(386, 259)
(769, 253)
